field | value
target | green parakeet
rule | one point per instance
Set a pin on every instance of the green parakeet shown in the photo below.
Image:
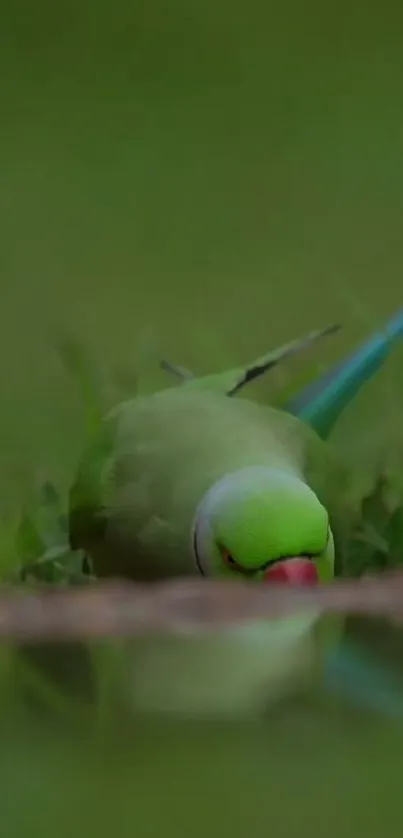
(188, 481)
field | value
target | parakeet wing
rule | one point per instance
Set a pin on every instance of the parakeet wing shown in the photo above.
(232, 381)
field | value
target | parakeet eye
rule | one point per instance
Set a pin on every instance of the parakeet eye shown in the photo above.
(229, 560)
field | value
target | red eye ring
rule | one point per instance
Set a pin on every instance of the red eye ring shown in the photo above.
(229, 560)
(233, 565)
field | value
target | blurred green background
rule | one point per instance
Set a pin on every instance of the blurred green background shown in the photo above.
(226, 783)
(201, 180)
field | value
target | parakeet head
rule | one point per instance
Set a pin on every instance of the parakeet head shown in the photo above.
(263, 524)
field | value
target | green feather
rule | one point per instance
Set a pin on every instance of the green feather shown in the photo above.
(232, 381)
(234, 673)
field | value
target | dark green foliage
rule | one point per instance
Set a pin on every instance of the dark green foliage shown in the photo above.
(41, 542)
(377, 541)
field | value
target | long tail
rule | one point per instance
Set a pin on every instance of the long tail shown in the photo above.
(320, 404)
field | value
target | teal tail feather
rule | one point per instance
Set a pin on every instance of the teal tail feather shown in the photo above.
(321, 403)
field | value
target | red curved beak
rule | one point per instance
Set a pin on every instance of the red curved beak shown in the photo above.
(295, 571)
